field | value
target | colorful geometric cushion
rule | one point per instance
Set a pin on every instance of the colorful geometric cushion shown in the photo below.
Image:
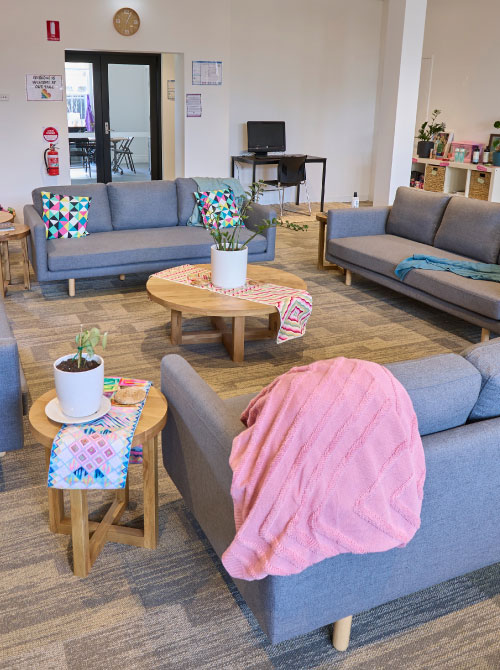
(219, 205)
(65, 215)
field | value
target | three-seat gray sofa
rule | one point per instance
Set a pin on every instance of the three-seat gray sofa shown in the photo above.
(371, 241)
(133, 227)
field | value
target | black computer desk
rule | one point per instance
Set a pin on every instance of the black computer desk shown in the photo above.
(254, 161)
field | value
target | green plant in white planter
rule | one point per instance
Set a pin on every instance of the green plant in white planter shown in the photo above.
(427, 134)
(495, 147)
(229, 256)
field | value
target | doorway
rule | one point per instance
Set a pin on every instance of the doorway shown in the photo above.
(113, 111)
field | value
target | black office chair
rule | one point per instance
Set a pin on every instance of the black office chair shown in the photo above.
(291, 172)
(80, 148)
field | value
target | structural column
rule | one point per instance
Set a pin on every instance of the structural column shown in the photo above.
(397, 96)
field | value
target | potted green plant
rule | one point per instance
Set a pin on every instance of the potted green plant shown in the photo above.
(495, 147)
(229, 256)
(427, 134)
(79, 377)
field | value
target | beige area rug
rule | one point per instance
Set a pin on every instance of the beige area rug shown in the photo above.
(171, 608)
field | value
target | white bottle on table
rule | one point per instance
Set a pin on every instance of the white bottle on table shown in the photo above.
(355, 200)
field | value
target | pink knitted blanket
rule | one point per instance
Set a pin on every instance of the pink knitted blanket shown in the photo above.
(331, 462)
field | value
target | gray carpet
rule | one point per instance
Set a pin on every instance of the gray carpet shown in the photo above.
(174, 607)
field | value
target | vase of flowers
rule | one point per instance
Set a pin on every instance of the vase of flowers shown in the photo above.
(228, 254)
(79, 377)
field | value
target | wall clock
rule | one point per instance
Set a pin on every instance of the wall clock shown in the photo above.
(126, 21)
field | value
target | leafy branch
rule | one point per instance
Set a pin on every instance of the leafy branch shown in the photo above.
(429, 129)
(87, 341)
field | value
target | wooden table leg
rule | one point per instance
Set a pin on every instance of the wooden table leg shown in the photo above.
(235, 341)
(3, 283)
(56, 501)
(80, 532)
(176, 327)
(321, 245)
(274, 323)
(5, 252)
(26, 263)
(122, 495)
(150, 486)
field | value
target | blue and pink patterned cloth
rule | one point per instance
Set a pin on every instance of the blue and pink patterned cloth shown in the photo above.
(96, 455)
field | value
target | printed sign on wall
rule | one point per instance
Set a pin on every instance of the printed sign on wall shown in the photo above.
(193, 104)
(207, 73)
(171, 89)
(50, 134)
(44, 87)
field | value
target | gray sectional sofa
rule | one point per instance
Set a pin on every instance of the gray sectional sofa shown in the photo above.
(133, 227)
(371, 241)
(457, 403)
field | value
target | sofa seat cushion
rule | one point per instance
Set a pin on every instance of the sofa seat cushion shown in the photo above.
(381, 253)
(143, 204)
(416, 214)
(471, 227)
(122, 247)
(99, 217)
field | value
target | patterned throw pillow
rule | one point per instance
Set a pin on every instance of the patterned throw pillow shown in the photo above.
(65, 215)
(214, 204)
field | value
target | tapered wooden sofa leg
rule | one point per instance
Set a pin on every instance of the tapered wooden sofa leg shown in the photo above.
(71, 288)
(122, 277)
(2, 453)
(342, 633)
(485, 335)
(348, 277)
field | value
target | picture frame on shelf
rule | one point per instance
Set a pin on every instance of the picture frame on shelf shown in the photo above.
(442, 143)
(494, 142)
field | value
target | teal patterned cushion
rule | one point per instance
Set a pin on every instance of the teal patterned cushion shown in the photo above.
(65, 215)
(218, 207)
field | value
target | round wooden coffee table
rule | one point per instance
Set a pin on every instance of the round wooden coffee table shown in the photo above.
(20, 232)
(181, 298)
(85, 551)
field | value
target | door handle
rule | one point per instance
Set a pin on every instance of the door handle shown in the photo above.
(106, 127)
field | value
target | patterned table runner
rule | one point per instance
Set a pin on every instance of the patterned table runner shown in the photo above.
(294, 306)
(95, 455)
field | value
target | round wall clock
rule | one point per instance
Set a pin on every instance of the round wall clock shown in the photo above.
(126, 21)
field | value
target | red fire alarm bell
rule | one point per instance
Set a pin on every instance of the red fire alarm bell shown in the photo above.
(53, 31)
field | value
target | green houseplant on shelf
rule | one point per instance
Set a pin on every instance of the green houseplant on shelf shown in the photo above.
(229, 255)
(427, 134)
(495, 147)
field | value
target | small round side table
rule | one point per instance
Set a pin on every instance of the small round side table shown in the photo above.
(20, 232)
(85, 549)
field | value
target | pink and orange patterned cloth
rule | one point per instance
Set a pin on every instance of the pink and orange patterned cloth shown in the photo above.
(294, 306)
(96, 455)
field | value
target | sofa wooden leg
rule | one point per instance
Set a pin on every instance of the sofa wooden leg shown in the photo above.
(342, 633)
(348, 277)
(2, 453)
(122, 277)
(485, 335)
(71, 288)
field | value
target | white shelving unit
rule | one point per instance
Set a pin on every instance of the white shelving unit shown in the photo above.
(458, 176)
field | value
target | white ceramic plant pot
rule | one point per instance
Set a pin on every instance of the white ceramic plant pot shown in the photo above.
(79, 393)
(229, 268)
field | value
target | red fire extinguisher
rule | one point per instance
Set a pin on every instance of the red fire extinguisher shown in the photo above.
(51, 158)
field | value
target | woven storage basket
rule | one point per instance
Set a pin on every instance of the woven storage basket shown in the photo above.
(479, 186)
(434, 178)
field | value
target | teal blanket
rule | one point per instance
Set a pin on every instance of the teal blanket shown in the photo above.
(216, 184)
(469, 269)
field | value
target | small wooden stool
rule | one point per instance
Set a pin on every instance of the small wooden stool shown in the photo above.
(20, 232)
(85, 548)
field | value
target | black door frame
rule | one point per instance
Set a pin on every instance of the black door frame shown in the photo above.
(100, 61)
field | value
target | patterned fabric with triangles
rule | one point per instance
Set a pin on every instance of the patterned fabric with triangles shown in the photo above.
(221, 205)
(95, 455)
(65, 215)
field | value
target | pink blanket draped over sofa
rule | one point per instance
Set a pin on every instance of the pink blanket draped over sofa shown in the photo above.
(331, 462)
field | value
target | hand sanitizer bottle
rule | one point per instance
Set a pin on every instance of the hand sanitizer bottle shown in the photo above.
(355, 200)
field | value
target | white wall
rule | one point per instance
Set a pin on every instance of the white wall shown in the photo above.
(313, 65)
(461, 36)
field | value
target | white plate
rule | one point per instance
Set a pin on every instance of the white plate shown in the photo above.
(54, 412)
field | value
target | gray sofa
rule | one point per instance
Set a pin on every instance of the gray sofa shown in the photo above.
(13, 388)
(457, 402)
(371, 241)
(133, 227)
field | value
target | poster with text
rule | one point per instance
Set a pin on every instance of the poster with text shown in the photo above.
(193, 105)
(44, 87)
(207, 72)
(171, 89)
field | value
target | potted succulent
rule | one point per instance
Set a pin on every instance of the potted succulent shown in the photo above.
(427, 134)
(229, 256)
(79, 377)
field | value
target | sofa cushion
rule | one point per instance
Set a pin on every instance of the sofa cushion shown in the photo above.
(186, 202)
(143, 204)
(471, 227)
(381, 253)
(99, 218)
(486, 358)
(122, 247)
(65, 216)
(416, 214)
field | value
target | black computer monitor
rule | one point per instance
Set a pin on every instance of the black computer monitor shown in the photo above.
(264, 136)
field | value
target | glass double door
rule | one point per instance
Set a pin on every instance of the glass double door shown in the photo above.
(113, 116)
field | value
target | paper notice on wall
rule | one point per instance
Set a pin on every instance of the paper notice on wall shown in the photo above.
(44, 87)
(193, 104)
(207, 72)
(171, 89)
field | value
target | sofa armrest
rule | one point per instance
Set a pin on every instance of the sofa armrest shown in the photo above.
(256, 215)
(356, 222)
(11, 408)
(37, 246)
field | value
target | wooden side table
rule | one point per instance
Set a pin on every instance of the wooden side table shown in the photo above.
(20, 232)
(85, 548)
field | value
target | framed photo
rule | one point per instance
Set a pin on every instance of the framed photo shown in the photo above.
(442, 143)
(494, 141)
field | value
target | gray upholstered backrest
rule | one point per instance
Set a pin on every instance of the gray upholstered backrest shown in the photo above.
(143, 204)
(416, 214)
(186, 201)
(99, 218)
